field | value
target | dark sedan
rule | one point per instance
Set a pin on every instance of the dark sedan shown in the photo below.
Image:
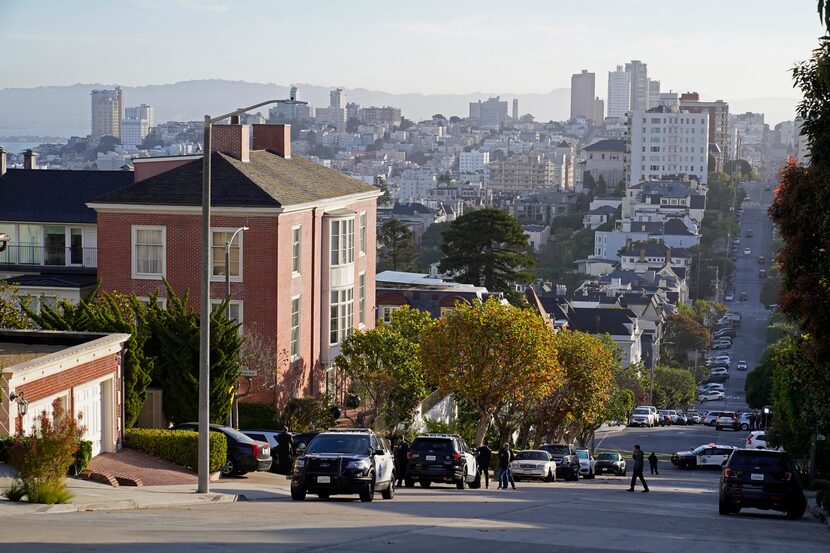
(610, 462)
(244, 453)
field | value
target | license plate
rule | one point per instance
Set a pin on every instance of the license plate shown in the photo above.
(430, 457)
(324, 479)
(756, 476)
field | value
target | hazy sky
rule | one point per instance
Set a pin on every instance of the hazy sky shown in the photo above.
(729, 49)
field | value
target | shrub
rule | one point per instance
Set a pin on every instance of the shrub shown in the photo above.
(820, 484)
(43, 459)
(256, 415)
(81, 460)
(177, 446)
(306, 414)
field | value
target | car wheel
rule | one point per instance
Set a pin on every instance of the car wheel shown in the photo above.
(796, 511)
(229, 468)
(368, 493)
(389, 492)
(549, 477)
(324, 495)
(461, 483)
(297, 494)
(425, 483)
(409, 483)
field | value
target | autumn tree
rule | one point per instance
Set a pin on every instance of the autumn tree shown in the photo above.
(487, 248)
(682, 335)
(384, 366)
(490, 354)
(397, 249)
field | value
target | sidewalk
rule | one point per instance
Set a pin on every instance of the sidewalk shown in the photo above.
(92, 496)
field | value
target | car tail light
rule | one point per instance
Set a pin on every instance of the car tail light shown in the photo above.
(255, 448)
(456, 456)
(727, 472)
(749, 441)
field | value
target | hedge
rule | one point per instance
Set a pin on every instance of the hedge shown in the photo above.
(177, 446)
(82, 457)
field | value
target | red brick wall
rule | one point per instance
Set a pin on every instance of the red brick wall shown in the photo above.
(274, 138)
(233, 140)
(147, 169)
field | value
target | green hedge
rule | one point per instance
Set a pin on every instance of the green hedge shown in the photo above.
(177, 446)
(823, 499)
(256, 415)
(82, 457)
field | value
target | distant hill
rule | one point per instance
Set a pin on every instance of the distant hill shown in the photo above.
(64, 110)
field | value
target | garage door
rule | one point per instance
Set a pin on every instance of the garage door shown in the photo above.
(89, 401)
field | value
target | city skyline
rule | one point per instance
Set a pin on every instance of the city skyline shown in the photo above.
(722, 51)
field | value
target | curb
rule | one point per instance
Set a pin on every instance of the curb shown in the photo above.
(120, 505)
(818, 513)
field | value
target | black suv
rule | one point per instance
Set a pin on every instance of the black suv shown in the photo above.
(762, 479)
(344, 461)
(567, 461)
(244, 453)
(441, 458)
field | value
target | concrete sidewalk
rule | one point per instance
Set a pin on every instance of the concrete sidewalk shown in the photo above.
(92, 496)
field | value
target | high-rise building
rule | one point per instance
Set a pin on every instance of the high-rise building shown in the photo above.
(599, 110)
(662, 142)
(653, 93)
(490, 113)
(582, 94)
(136, 124)
(106, 108)
(718, 118)
(515, 110)
(638, 80)
(619, 92)
(337, 98)
(802, 149)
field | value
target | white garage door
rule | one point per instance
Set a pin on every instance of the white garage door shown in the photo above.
(89, 401)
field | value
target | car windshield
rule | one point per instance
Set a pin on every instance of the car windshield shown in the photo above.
(236, 435)
(532, 456)
(558, 449)
(607, 457)
(339, 443)
(582, 454)
(762, 461)
(700, 448)
(641, 411)
(432, 445)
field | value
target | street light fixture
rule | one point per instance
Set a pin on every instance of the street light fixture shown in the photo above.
(204, 300)
(228, 266)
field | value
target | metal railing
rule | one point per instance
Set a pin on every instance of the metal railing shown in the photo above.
(37, 255)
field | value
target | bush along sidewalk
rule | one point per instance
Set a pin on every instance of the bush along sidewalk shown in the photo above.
(82, 456)
(177, 446)
(44, 459)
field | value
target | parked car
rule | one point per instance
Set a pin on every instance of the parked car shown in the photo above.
(533, 464)
(757, 439)
(610, 462)
(762, 273)
(642, 416)
(587, 463)
(710, 395)
(742, 365)
(344, 461)
(244, 453)
(681, 418)
(729, 297)
(270, 437)
(712, 387)
(665, 417)
(718, 370)
(720, 377)
(761, 479)
(721, 345)
(762, 259)
(441, 458)
(727, 420)
(708, 455)
(725, 332)
(749, 233)
(747, 251)
(567, 461)
(694, 416)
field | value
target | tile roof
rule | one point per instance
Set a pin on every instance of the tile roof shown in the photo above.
(267, 180)
(55, 196)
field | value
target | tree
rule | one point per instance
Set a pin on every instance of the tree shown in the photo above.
(11, 313)
(758, 385)
(383, 366)
(398, 250)
(352, 124)
(487, 248)
(704, 312)
(490, 353)
(683, 334)
(431, 242)
(673, 388)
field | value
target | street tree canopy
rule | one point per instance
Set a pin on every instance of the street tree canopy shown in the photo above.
(490, 353)
(398, 249)
(684, 334)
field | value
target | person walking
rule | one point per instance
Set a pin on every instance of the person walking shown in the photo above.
(505, 456)
(638, 469)
(285, 448)
(401, 459)
(652, 461)
(483, 456)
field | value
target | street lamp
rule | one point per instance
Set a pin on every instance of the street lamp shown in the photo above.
(228, 266)
(204, 311)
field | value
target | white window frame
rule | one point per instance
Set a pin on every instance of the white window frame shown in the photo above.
(296, 339)
(238, 303)
(345, 242)
(362, 232)
(361, 299)
(146, 301)
(385, 312)
(341, 322)
(296, 250)
(133, 245)
(238, 239)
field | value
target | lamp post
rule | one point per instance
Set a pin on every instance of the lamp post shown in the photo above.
(228, 266)
(204, 299)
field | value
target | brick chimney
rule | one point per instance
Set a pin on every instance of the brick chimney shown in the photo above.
(232, 140)
(273, 138)
(2, 162)
(30, 159)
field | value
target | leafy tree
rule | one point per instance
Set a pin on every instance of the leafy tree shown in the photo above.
(771, 287)
(490, 354)
(487, 248)
(683, 334)
(758, 385)
(704, 312)
(431, 242)
(454, 119)
(383, 365)
(352, 123)
(673, 387)
(398, 250)
(11, 313)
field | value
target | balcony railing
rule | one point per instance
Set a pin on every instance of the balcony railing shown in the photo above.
(36, 255)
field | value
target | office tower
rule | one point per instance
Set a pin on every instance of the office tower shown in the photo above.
(490, 113)
(599, 110)
(106, 107)
(582, 95)
(653, 93)
(619, 92)
(136, 124)
(515, 110)
(337, 98)
(638, 75)
(718, 119)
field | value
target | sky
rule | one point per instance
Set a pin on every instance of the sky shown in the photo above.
(733, 50)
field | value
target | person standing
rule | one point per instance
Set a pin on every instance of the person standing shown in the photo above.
(652, 461)
(638, 469)
(483, 456)
(285, 447)
(401, 459)
(505, 456)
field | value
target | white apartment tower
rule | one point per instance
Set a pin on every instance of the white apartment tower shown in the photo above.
(136, 124)
(619, 92)
(638, 78)
(106, 108)
(653, 93)
(582, 94)
(664, 142)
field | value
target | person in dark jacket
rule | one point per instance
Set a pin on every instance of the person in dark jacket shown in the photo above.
(285, 449)
(652, 461)
(638, 469)
(483, 456)
(505, 475)
(401, 459)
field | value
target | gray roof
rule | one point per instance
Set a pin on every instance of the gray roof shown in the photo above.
(267, 180)
(607, 145)
(603, 210)
(654, 249)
